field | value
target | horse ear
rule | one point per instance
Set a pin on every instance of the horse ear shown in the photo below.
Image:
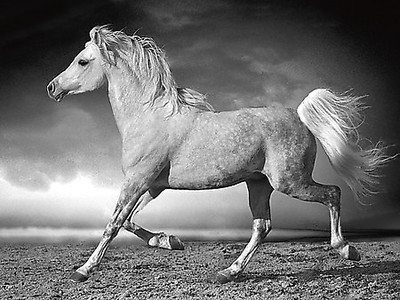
(95, 36)
(97, 39)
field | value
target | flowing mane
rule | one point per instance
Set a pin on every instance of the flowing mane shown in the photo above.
(149, 64)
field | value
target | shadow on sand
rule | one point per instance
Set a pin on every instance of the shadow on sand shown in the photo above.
(373, 268)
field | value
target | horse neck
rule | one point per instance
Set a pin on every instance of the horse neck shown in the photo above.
(129, 100)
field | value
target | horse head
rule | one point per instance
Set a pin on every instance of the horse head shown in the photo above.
(85, 73)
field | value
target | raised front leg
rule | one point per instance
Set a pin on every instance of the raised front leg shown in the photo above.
(160, 239)
(127, 202)
(155, 239)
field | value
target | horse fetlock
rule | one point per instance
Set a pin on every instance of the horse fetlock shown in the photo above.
(154, 241)
(338, 244)
(164, 241)
(349, 252)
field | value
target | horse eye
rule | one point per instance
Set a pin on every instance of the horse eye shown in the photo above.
(83, 62)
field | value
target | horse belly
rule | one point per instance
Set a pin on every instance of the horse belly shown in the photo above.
(207, 177)
(218, 163)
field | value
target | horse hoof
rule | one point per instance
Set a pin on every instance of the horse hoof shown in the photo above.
(350, 253)
(175, 243)
(78, 277)
(353, 254)
(223, 277)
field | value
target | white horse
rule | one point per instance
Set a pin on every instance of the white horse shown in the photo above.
(172, 139)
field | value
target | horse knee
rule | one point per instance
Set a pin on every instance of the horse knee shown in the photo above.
(110, 231)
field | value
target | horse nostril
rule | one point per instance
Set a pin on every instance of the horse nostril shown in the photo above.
(50, 88)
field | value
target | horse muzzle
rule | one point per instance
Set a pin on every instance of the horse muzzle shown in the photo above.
(55, 92)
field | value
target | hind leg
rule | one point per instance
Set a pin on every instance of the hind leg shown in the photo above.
(328, 195)
(259, 194)
(337, 241)
(160, 239)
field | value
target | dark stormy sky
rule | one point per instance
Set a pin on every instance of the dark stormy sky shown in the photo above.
(60, 163)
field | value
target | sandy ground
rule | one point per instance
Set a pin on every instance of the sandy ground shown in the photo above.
(287, 270)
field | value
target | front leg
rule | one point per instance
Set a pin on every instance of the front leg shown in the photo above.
(155, 239)
(160, 239)
(127, 202)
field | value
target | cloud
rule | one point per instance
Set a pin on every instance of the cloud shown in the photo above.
(238, 66)
(77, 203)
(283, 81)
(174, 15)
(37, 156)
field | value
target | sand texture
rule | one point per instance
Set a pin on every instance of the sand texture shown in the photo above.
(287, 270)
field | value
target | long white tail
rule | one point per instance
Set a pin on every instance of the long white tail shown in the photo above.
(334, 120)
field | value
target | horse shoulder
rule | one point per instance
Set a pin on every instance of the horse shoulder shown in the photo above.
(145, 149)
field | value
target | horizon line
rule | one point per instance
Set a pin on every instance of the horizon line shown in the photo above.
(93, 235)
